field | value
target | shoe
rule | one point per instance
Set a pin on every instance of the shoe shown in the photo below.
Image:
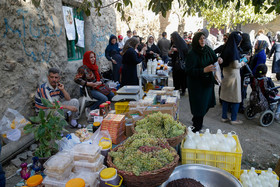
(224, 120)
(78, 126)
(237, 122)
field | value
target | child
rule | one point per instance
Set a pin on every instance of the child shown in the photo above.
(265, 83)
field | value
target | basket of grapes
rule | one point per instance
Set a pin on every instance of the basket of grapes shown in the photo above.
(161, 126)
(143, 160)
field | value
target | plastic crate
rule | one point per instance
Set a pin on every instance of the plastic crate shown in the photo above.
(121, 107)
(229, 161)
(258, 172)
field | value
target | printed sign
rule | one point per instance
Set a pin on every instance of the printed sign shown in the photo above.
(69, 22)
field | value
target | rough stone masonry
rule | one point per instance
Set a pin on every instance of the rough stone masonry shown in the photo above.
(33, 39)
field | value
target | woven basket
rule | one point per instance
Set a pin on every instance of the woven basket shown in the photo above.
(145, 179)
(173, 142)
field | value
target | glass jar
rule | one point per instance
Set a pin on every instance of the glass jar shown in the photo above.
(95, 126)
(102, 111)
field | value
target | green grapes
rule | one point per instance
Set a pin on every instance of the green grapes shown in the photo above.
(160, 125)
(142, 153)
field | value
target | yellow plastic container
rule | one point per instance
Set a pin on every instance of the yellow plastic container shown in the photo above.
(228, 161)
(110, 178)
(121, 107)
(35, 180)
(76, 182)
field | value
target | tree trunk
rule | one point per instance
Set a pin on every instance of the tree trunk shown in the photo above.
(163, 23)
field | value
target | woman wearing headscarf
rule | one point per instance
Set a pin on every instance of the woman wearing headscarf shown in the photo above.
(89, 77)
(112, 53)
(130, 60)
(152, 50)
(246, 45)
(276, 59)
(231, 83)
(178, 52)
(259, 57)
(200, 81)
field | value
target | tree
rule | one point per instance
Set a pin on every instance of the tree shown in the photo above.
(163, 6)
(228, 17)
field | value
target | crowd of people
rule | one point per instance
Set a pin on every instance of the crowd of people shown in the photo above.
(192, 57)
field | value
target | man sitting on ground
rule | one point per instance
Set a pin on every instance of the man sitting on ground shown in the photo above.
(53, 90)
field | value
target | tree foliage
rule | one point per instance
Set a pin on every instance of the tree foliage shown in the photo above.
(247, 10)
(229, 17)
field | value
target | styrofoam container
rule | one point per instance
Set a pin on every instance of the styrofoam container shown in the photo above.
(59, 176)
(52, 182)
(59, 163)
(84, 165)
(89, 152)
(91, 178)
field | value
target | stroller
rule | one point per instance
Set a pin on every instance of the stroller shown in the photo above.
(262, 100)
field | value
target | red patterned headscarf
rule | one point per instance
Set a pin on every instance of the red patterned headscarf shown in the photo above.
(93, 67)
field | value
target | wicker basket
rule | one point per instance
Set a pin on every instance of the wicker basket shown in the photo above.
(173, 142)
(145, 179)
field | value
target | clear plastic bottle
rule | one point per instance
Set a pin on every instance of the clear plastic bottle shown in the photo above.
(196, 138)
(189, 143)
(244, 176)
(231, 142)
(190, 132)
(90, 119)
(220, 135)
(149, 66)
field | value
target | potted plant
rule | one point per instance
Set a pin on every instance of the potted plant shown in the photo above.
(47, 127)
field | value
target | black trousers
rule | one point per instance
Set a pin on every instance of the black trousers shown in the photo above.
(197, 123)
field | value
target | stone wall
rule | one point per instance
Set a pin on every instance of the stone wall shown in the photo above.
(33, 39)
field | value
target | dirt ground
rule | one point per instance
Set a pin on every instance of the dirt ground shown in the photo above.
(260, 144)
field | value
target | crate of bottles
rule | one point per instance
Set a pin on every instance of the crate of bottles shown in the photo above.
(121, 107)
(259, 178)
(228, 161)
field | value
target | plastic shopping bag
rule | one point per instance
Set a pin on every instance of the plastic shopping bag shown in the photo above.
(11, 125)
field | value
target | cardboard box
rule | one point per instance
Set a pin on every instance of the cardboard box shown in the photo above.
(163, 108)
(130, 118)
(115, 124)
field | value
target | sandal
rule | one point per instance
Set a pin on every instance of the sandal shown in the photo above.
(78, 126)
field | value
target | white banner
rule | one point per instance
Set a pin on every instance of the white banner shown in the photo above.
(80, 31)
(69, 22)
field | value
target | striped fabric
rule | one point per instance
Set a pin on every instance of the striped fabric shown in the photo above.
(46, 91)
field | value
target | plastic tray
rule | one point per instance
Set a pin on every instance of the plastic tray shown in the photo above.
(121, 107)
(229, 161)
(91, 167)
(59, 176)
(90, 178)
(58, 163)
(89, 152)
(51, 182)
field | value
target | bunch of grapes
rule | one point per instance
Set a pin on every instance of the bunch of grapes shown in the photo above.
(160, 125)
(143, 152)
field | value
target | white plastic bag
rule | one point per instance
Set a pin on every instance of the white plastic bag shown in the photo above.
(98, 134)
(12, 124)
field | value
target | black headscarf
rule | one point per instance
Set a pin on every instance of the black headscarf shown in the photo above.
(246, 45)
(197, 47)
(180, 44)
(231, 52)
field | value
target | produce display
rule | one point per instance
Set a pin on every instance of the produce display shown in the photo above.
(160, 125)
(143, 152)
(185, 182)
